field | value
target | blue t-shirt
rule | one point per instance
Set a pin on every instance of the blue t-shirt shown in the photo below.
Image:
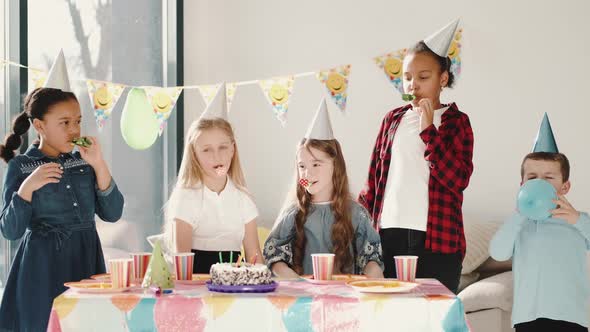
(550, 267)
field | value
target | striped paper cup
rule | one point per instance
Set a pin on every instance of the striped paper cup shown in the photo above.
(121, 270)
(405, 267)
(141, 260)
(183, 265)
(323, 266)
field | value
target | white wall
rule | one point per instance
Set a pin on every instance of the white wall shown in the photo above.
(520, 59)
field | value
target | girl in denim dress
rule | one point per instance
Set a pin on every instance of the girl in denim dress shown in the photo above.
(50, 196)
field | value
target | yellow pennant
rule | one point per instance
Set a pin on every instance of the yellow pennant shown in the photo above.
(163, 101)
(103, 97)
(278, 93)
(336, 82)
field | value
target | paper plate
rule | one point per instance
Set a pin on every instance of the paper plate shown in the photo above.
(198, 279)
(382, 286)
(95, 287)
(102, 276)
(336, 279)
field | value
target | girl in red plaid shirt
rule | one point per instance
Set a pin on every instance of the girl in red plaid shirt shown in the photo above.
(420, 165)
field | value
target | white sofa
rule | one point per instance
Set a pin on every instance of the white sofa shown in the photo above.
(118, 239)
(486, 287)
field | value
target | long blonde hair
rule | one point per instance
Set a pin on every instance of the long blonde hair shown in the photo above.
(342, 231)
(190, 174)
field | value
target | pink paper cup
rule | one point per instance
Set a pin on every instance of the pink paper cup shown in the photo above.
(323, 266)
(121, 271)
(183, 265)
(141, 260)
(405, 267)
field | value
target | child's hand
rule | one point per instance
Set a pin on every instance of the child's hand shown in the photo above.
(93, 153)
(44, 174)
(565, 211)
(426, 112)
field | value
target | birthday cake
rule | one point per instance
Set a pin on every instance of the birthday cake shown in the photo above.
(242, 274)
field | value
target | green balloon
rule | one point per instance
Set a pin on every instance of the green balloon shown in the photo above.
(139, 125)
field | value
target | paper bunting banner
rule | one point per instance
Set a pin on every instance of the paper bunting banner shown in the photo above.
(392, 65)
(278, 92)
(103, 97)
(455, 54)
(336, 82)
(208, 92)
(230, 91)
(163, 101)
(37, 79)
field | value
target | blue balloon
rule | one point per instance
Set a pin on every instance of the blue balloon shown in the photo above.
(535, 199)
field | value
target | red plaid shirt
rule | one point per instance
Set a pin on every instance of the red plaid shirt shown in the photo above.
(449, 151)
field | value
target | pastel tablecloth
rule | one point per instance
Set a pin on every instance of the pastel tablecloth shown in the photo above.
(294, 306)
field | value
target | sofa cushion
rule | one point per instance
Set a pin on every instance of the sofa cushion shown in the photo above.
(467, 279)
(478, 236)
(493, 292)
(491, 267)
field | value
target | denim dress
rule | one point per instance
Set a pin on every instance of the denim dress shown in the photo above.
(60, 242)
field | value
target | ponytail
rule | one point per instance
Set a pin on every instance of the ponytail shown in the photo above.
(13, 141)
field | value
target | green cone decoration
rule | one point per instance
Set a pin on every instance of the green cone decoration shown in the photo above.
(157, 273)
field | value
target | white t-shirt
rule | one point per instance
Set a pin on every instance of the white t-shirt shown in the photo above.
(218, 220)
(405, 204)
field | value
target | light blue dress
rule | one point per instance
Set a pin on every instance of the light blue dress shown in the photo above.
(366, 246)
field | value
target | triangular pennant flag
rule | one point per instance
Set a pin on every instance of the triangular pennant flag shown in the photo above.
(392, 65)
(163, 101)
(278, 92)
(440, 41)
(455, 54)
(157, 273)
(58, 77)
(208, 92)
(336, 82)
(545, 141)
(230, 92)
(218, 107)
(320, 127)
(103, 97)
(37, 79)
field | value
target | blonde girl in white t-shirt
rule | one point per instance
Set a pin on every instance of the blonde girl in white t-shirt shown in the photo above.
(210, 212)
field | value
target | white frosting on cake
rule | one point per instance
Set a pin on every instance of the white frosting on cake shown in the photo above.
(245, 274)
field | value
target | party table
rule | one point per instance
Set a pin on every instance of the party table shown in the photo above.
(293, 306)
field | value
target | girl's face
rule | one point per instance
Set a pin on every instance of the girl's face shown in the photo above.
(60, 125)
(318, 169)
(215, 150)
(423, 77)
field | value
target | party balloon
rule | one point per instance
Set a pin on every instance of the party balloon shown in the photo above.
(139, 124)
(535, 199)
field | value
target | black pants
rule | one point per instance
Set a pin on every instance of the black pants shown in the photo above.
(446, 268)
(204, 259)
(549, 325)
